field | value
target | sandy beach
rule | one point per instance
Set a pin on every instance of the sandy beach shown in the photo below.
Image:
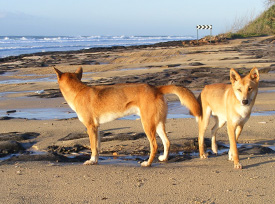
(43, 146)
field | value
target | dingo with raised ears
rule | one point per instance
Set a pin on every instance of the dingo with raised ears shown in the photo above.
(95, 105)
(231, 103)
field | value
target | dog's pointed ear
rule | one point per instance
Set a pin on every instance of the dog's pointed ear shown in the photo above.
(254, 74)
(58, 73)
(234, 76)
(79, 72)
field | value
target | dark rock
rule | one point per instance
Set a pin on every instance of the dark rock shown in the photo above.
(39, 157)
(230, 58)
(105, 137)
(196, 64)
(6, 118)
(66, 150)
(123, 136)
(9, 147)
(178, 158)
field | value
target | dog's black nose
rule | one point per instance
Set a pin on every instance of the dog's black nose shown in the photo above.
(245, 102)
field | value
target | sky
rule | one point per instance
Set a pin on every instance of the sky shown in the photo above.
(123, 17)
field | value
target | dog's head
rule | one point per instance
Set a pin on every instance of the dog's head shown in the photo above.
(68, 76)
(245, 88)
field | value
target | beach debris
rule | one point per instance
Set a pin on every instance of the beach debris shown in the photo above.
(40, 92)
(11, 111)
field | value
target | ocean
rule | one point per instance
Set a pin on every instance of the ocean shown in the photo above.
(17, 45)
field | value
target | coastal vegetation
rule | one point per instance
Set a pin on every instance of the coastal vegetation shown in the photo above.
(260, 26)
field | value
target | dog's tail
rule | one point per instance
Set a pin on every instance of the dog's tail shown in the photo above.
(187, 98)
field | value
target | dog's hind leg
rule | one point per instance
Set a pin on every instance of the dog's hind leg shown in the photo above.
(150, 131)
(166, 144)
(94, 142)
(203, 123)
(218, 124)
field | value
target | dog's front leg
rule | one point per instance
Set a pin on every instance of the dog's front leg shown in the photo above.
(238, 131)
(94, 142)
(233, 152)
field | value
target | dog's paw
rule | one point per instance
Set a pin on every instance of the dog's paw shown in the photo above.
(92, 161)
(238, 166)
(203, 156)
(89, 162)
(162, 158)
(145, 164)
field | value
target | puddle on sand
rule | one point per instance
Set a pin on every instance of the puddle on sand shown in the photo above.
(263, 113)
(41, 113)
(175, 110)
(130, 69)
(32, 153)
(49, 78)
(33, 78)
(266, 91)
(3, 95)
(129, 160)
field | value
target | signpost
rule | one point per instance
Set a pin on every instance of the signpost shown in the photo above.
(205, 27)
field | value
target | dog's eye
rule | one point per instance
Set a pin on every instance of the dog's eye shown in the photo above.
(249, 89)
(240, 90)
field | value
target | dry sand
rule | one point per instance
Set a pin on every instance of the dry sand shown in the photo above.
(184, 178)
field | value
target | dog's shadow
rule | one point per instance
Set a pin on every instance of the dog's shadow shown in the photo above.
(259, 163)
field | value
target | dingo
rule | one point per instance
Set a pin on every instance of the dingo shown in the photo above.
(231, 103)
(99, 104)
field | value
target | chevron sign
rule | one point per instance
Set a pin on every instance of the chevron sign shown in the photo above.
(208, 27)
(204, 26)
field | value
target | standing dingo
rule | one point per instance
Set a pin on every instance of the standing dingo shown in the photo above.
(99, 104)
(231, 103)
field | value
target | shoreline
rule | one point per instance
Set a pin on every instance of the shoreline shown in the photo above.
(98, 49)
(173, 43)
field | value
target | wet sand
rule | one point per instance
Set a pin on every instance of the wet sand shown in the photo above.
(49, 153)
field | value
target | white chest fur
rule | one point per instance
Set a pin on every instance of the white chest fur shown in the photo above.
(243, 114)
